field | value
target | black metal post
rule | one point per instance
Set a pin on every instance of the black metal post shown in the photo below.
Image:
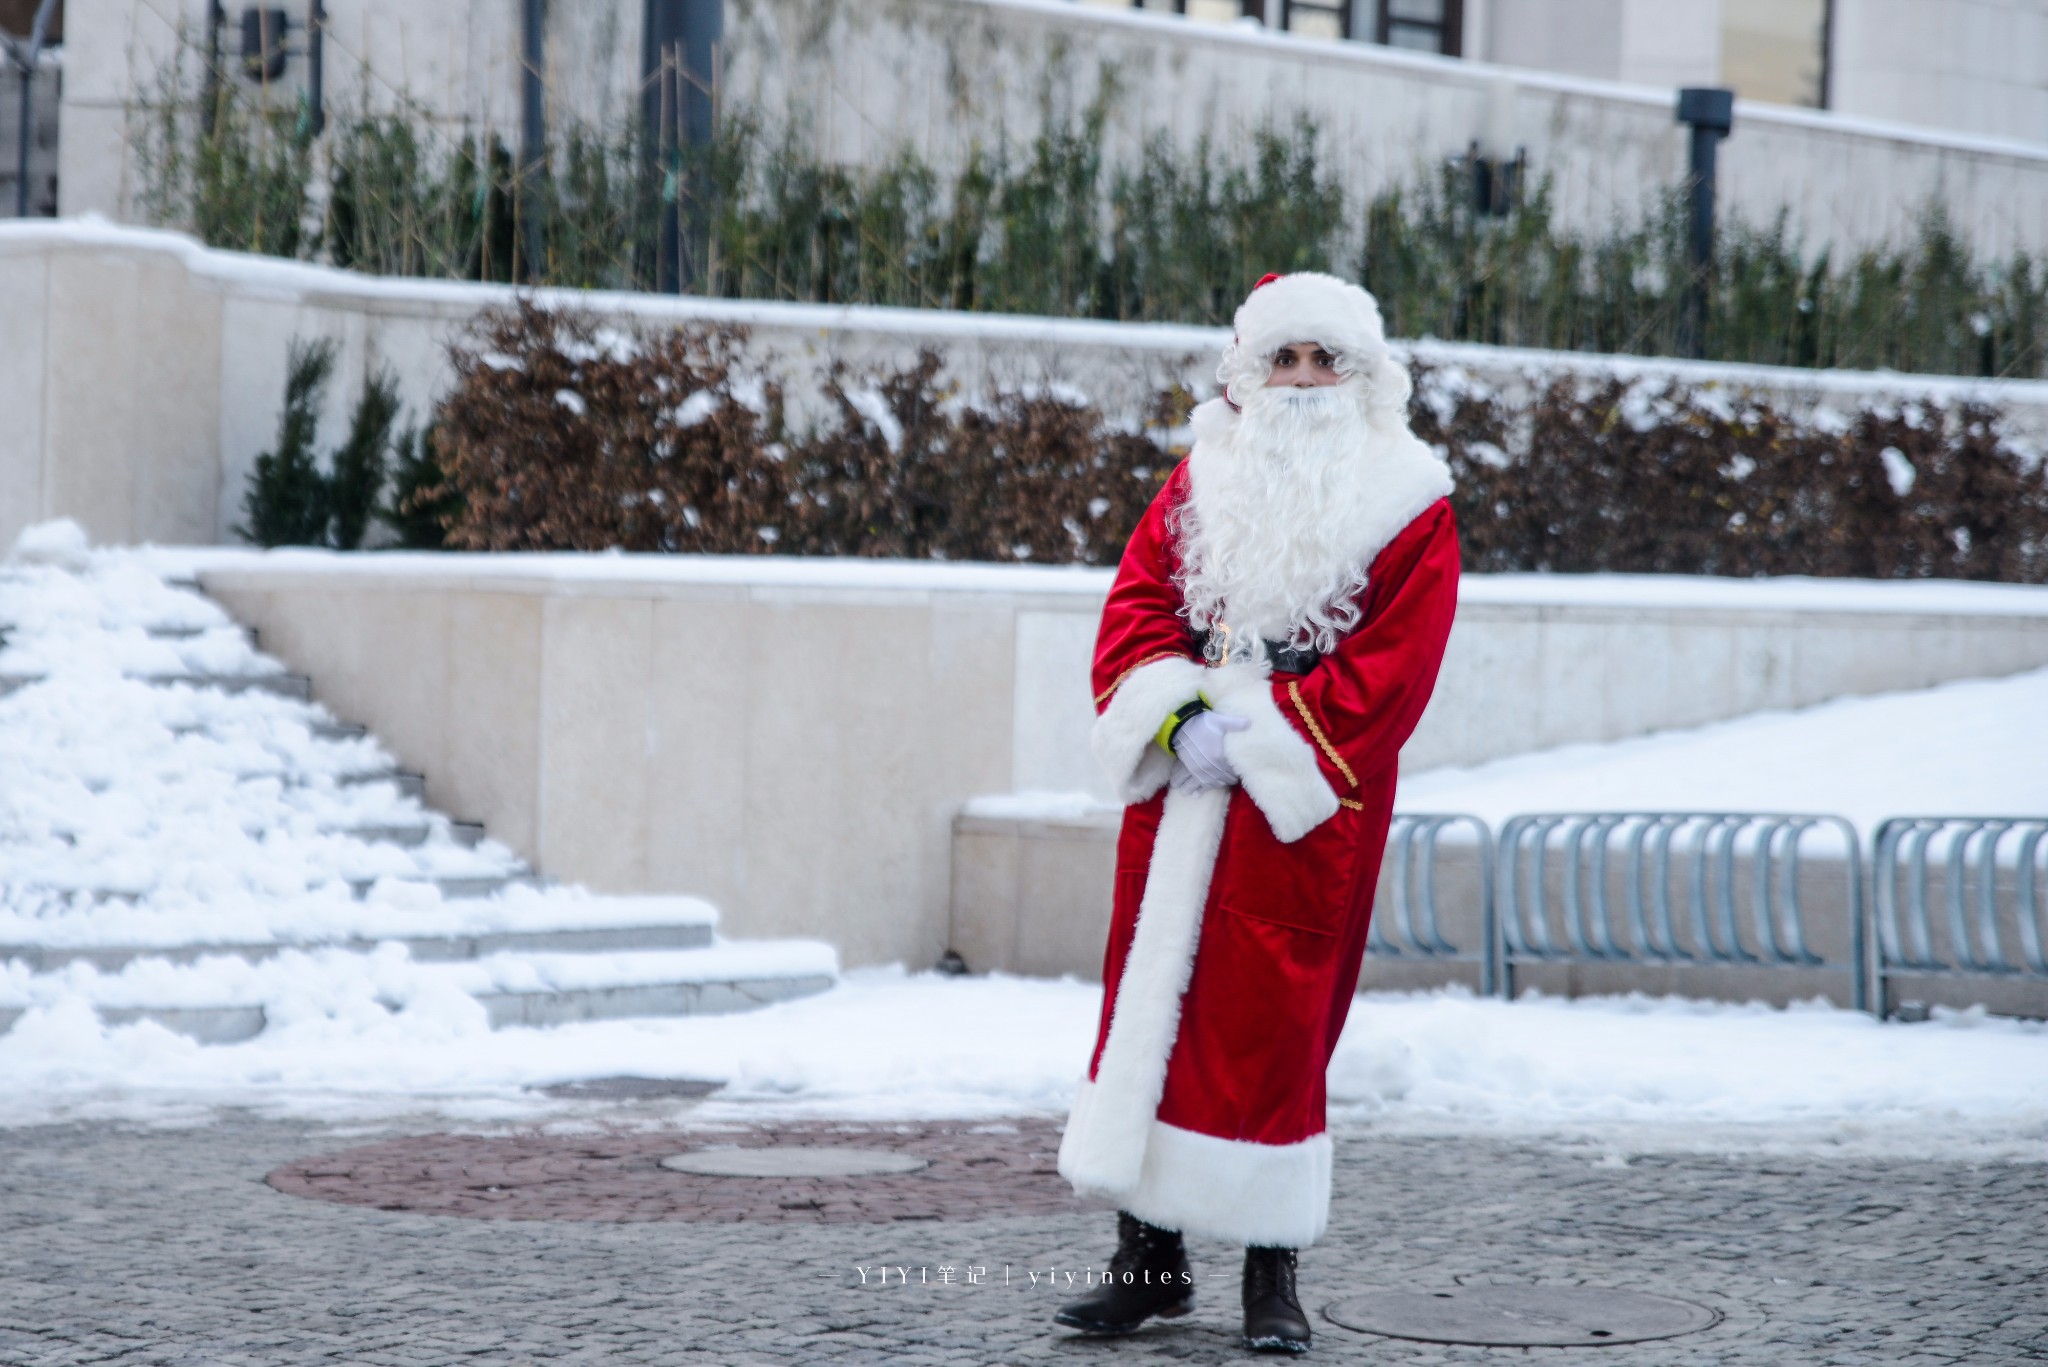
(21, 170)
(316, 66)
(209, 87)
(28, 66)
(1827, 54)
(1711, 113)
(532, 138)
(678, 62)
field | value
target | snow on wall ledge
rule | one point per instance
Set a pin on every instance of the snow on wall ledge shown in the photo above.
(646, 723)
(146, 371)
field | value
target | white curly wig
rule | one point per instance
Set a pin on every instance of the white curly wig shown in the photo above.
(1309, 306)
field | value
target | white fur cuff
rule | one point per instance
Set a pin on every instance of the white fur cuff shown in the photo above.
(1248, 1193)
(1277, 767)
(1123, 734)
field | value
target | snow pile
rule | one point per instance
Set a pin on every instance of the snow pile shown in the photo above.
(1973, 747)
(160, 812)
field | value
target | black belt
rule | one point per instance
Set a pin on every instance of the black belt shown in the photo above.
(1286, 658)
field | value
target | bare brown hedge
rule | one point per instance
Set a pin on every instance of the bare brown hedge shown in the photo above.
(1666, 479)
(563, 435)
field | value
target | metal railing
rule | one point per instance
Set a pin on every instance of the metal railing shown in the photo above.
(1993, 901)
(1718, 888)
(1961, 897)
(1411, 929)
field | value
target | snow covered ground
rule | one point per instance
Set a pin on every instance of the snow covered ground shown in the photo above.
(1621, 1074)
(1977, 746)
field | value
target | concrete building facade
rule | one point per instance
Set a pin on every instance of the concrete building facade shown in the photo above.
(1923, 101)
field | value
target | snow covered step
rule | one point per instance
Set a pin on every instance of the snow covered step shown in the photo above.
(480, 885)
(420, 948)
(178, 631)
(220, 999)
(408, 783)
(559, 989)
(464, 833)
(205, 1024)
(453, 886)
(284, 685)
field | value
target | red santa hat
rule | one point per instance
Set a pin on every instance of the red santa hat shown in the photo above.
(1309, 306)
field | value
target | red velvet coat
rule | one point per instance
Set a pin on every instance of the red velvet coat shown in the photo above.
(1241, 913)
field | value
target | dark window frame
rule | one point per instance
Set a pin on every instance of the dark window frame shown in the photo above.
(1450, 33)
(1340, 8)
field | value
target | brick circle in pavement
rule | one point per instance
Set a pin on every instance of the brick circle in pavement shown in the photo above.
(974, 1171)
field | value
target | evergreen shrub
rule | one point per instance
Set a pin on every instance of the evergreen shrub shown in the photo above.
(289, 499)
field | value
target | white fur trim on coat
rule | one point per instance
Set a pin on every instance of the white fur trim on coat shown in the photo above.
(1123, 734)
(1277, 767)
(1277, 1195)
(1103, 1149)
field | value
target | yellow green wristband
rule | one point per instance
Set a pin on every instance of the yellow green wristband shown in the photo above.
(1176, 719)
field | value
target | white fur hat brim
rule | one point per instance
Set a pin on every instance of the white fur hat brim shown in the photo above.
(1309, 306)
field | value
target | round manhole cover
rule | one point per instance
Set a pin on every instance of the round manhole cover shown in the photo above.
(1522, 1316)
(793, 1160)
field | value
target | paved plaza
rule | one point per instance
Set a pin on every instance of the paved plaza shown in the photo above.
(257, 1241)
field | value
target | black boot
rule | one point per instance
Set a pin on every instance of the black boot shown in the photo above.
(1148, 1275)
(1273, 1321)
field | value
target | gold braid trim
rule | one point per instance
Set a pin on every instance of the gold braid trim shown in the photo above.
(1329, 751)
(1353, 805)
(1105, 694)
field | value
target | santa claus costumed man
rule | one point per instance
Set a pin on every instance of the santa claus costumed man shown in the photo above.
(1272, 637)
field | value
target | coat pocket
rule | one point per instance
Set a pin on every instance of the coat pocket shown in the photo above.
(1305, 885)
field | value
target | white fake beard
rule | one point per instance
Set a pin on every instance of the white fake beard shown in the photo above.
(1272, 531)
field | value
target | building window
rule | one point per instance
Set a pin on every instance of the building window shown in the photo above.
(1418, 25)
(1316, 18)
(1421, 25)
(1776, 50)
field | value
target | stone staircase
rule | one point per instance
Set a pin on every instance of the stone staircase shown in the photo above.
(187, 838)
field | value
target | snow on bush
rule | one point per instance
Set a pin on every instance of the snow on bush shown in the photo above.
(1646, 474)
(552, 442)
(665, 446)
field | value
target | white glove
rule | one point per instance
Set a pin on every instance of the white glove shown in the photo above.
(1198, 745)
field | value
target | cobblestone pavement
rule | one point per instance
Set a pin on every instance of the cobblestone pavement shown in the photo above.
(127, 1245)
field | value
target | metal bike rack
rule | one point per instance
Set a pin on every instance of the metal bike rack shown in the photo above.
(1411, 928)
(1993, 900)
(1556, 900)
